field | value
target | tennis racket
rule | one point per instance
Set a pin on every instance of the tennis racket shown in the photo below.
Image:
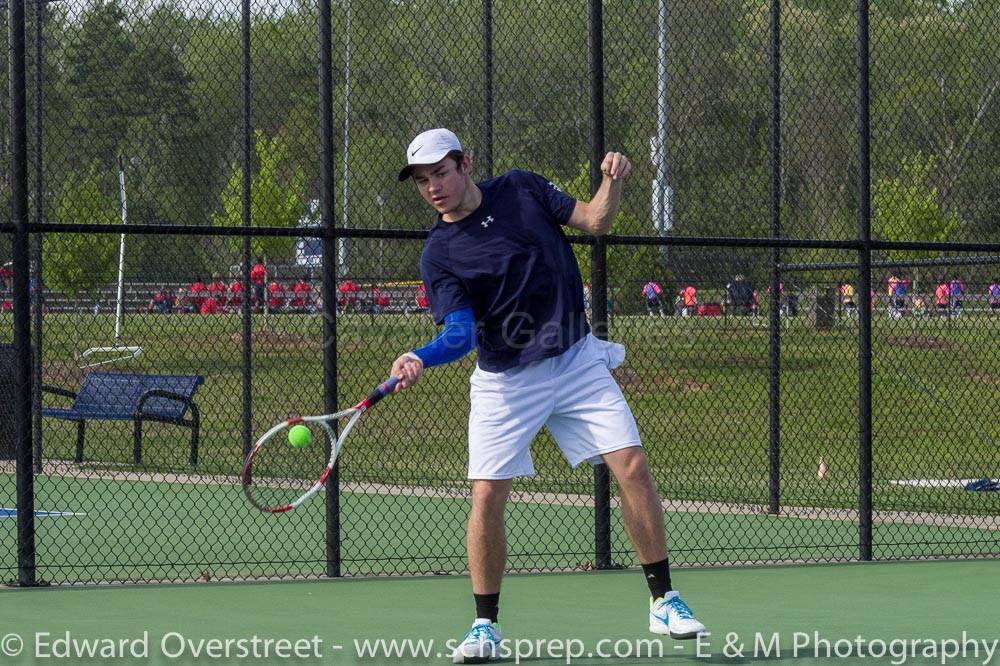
(278, 477)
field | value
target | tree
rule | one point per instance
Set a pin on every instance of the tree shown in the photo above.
(100, 80)
(276, 199)
(907, 208)
(628, 266)
(79, 263)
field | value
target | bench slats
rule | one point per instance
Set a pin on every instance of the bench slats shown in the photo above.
(111, 395)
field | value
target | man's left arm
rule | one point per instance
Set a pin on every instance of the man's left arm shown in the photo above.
(596, 216)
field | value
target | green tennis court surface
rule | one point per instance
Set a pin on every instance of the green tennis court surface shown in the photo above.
(927, 609)
(193, 528)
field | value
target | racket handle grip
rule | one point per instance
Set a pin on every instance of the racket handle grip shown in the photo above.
(384, 389)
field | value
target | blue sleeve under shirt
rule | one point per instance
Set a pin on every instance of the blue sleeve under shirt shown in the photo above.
(456, 339)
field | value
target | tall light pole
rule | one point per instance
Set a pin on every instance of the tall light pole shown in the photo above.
(342, 249)
(662, 194)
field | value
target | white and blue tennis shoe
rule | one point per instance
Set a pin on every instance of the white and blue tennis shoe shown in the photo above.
(670, 615)
(481, 644)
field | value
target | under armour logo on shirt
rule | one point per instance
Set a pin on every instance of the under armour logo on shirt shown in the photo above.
(555, 187)
(486, 222)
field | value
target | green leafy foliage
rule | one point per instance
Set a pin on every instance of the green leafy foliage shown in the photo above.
(275, 199)
(77, 263)
(907, 207)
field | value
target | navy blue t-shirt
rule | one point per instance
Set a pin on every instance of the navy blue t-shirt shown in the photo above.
(511, 263)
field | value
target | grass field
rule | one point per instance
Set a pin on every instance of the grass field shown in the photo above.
(698, 387)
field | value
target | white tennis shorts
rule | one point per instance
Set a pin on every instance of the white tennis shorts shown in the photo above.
(573, 394)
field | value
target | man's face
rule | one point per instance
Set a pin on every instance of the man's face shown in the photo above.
(443, 185)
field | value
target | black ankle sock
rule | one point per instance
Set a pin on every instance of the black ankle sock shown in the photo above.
(488, 606)
(658, 578)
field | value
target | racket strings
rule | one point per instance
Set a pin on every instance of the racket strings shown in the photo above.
(280, 472)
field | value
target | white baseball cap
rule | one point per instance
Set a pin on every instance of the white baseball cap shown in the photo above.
(429, 147)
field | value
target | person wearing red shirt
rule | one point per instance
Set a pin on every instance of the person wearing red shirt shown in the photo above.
(348, 295)
(7, 276)
(209, 306)
(421, 297)
(276, 300)
(258, 278)
(302, 289)
(379, 300)
(197, 293)
(236, 294)
(217, 290)
(689, 300)
(8, 305)
(942, 298)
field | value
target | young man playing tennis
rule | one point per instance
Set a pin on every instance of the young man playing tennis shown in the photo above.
(502, 278)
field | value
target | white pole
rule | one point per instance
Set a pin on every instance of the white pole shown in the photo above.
(662, 199)
(342, 245)
(661, 195)
(121, 253)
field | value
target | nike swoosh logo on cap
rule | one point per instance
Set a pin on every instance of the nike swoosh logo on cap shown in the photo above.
(416, 151)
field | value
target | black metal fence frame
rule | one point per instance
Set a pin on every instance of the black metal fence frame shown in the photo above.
(27, 224)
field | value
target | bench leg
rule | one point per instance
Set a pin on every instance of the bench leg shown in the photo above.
(195, 433)
(137, 443)
(81, 431)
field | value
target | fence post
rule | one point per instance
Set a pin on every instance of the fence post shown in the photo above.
(864, 291)
(487, 150)
(775, 312)
(333, 544)
(599, 273)
(22, 299)
(247, 311)
(38, 298)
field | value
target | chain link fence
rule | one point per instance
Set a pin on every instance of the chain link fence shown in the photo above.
(805, 272)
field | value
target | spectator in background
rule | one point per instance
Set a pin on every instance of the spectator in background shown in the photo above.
(421, 298)
(847, 298)
(258, 280)
(162, 302)
(957, 289)
(897, 297)
(217, 290)
(197, 292)
(919, 305)
(993, 293)
(891, 293)
(652, 290)
(302, 294)
(791, 300)
(7, 277)
(185, 304)
(942, 296)
(689, 301)
(740, 295)
(348, 295)
(209, 306)
(380, 301)
(236, 294)
(782, 309)
(7, 305)
(276, 296)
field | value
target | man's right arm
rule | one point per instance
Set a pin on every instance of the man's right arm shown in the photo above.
(456, 339)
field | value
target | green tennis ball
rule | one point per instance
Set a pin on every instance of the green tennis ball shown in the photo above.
(299, 436)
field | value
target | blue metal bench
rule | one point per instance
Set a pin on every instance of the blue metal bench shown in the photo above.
(111, 396)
